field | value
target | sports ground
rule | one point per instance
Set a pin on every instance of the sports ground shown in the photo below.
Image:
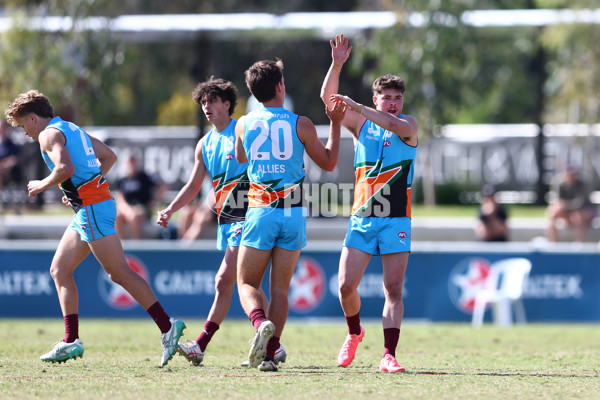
(443, 361)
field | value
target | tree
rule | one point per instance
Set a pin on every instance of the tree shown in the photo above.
(456, 73)
(70, 67)
(463, 74)
(574, 82)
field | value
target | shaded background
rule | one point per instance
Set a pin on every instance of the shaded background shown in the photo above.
(461, 67)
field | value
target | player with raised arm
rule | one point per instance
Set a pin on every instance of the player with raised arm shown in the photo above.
(78, 163)
(272, 140)
(385, 145)
(215, 156)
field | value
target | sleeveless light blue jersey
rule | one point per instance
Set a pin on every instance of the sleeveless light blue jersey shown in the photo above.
(87, 185)
(229, 178)
(276, 158)
(383, 165)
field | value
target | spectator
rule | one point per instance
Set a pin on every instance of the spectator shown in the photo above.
(10, 171)
(197, 217)
(491, 226)
(571, 204)
(137, 195)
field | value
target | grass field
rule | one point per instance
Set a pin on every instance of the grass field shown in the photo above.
(443, 361)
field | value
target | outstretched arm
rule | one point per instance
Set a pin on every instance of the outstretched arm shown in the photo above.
(406, 127)
(187, 192)
(325, 156)
(340, 52)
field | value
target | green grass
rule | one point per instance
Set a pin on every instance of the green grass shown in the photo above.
(443, 361)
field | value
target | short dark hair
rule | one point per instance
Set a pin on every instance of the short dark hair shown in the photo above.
(262, 79)
(216, 87)
(388, 81)
(31, 101)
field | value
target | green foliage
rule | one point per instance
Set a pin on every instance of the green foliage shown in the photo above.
(90, 76)
(178, 110)
(70, 67)
(574, 81)
(455, 73)
(24, 66)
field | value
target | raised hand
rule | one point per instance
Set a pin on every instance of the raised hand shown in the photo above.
(340, 50)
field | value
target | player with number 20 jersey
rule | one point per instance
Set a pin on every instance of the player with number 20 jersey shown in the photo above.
(276, 174)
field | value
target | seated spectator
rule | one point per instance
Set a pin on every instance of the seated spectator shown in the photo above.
(571, 204)
(10, 171)
(137, 196)
(492, 224)
(197, 218)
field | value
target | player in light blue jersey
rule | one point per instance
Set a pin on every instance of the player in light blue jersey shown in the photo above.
(273, 140)
(215, 157)
(385, 144)
(78, 163)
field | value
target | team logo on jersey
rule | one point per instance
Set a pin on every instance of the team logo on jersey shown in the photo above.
(229, 157)
(307, 287)
(402, 235)
(224, 190)
(371, 179)
(386, 143)
(466, 279)
(113, 294)
(375, 132)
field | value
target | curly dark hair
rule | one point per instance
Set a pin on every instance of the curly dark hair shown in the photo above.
(216, 87)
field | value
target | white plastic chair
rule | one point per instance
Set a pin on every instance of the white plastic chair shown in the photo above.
(503, 289)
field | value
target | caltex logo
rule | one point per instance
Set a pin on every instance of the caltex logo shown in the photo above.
(466, 279)
(307, 288)
(114, 295)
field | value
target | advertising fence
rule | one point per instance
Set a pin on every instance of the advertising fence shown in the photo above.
(441, 282)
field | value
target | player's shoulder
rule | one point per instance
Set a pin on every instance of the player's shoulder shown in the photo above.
(203, 140)
(410, 119)
(51, 134)
(305, 128)
(240, 122)
(50, 130)
(304, 121)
